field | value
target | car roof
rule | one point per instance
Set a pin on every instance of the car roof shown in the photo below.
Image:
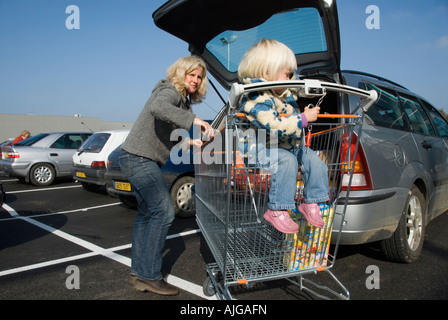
(113, 131)
(220, 20)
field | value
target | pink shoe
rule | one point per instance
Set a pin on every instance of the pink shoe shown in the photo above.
(281, 221)
(311, 211)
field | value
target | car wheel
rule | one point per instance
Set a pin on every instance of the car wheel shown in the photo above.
(42, 174)
(406, 243)
(182, 197)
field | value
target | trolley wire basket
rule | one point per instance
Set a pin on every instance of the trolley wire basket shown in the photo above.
(231, 196)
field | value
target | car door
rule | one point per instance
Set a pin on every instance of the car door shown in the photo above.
(432, 151)
(60, 152)
(441, 127)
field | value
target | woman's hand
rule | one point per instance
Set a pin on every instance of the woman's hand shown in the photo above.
(311, 113)
(196, 143)
(206, 128)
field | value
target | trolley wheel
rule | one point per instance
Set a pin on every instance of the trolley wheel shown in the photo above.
(208, 287)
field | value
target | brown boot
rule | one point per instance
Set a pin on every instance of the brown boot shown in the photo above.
(156, 286)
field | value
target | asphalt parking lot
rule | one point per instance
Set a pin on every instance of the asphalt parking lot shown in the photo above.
(65, 243)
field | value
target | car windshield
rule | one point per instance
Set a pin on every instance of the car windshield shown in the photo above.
(31, 140)
(300, 29)
(95, 143)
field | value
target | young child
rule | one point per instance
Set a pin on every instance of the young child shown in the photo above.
(271, 60)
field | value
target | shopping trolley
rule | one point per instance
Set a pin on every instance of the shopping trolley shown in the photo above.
(231, 195)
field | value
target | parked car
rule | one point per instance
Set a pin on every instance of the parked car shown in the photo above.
(90, 161)
(178, 177)
(43, 157)
(401, 180)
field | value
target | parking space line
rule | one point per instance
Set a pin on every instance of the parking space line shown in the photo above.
(42, 189)
(47, 263)
(97, 250)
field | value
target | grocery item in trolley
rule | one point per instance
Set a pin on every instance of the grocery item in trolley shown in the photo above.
(310, 246)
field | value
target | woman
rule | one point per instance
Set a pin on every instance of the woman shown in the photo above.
(146, 149)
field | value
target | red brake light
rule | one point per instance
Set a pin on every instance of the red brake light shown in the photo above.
(12, 155)
(98, 164)
(361, 175)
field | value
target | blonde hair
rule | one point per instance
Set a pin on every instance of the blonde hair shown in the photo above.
(266, 59)
(178, 70)
(25, 133)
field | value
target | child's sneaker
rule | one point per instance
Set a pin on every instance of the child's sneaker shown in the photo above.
(311, 211)
(281, 221)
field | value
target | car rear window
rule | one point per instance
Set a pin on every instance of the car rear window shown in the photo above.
(300, 29)
(95, 142)
(32, 140)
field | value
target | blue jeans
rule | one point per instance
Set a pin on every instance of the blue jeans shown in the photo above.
(155, 214)
(283, 165)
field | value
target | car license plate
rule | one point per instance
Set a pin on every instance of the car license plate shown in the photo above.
(123, 186)
(80, 174)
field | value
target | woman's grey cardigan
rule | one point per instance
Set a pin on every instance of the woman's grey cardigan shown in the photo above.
(165, 111)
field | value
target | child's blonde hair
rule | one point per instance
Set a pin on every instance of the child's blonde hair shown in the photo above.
(266, 59)
(178, 70)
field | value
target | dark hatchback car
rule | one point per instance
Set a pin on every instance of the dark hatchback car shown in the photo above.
(401, 178)
(179, 178)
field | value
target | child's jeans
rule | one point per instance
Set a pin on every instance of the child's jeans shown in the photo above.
(283, 166)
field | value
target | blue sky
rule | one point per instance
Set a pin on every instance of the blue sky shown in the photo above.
(108, 67)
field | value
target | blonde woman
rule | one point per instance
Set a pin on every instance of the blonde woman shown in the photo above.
(271, 60)
(146, 149)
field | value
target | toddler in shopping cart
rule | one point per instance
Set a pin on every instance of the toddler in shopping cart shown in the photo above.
(271, 60)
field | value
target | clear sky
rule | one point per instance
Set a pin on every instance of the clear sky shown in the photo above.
(108, 67)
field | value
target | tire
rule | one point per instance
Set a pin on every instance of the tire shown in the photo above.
(182, 198)
(406, 243)
(42, 174)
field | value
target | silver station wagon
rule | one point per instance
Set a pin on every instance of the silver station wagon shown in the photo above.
(401, 178)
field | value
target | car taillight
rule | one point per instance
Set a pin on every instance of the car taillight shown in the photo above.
(98, 164)
(361, 176)
(11, 155)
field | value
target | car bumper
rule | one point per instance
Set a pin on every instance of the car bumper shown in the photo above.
(89, 175)
(117, 184)
(369, 215)
(15, 169)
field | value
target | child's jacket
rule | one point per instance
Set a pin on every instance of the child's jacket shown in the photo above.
(263, 111)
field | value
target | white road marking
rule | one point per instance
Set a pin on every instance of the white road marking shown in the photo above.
(97, 250)
(41, 189)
